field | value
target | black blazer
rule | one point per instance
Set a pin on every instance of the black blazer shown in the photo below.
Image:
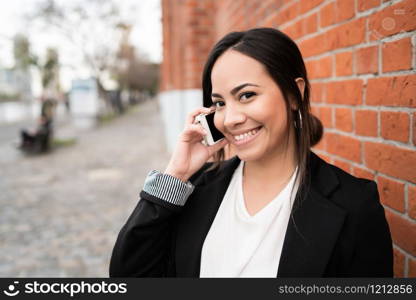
(338, 230)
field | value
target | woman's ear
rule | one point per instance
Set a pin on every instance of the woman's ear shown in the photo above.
(301, 85)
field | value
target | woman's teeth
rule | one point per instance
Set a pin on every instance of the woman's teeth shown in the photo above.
(246, 134)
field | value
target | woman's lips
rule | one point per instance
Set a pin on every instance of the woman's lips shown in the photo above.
(247, 137)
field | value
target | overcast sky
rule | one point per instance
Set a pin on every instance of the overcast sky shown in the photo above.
(146, 35)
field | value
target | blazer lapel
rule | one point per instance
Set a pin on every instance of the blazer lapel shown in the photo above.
(313, 227)
(197, 217)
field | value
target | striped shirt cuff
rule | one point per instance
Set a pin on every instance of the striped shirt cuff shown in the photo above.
(167, 188)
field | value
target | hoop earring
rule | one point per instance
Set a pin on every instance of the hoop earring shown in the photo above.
(300, 121)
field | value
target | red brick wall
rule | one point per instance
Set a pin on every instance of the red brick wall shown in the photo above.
(188, 35)
(360, 57)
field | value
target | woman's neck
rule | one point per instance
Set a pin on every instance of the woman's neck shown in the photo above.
(275, 168)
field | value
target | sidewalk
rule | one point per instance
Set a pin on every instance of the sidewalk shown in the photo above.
(61, 212)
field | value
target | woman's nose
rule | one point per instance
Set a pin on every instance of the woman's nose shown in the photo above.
(233, 116)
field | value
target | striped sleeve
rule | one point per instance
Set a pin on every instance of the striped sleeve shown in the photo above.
(167, 188)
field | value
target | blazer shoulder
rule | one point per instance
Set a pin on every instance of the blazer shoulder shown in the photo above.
(357, 194)
(330, 180)
(348, 179)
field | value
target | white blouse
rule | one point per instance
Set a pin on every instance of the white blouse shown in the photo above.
(241, 245)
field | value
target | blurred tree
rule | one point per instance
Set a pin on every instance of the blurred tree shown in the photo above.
(50, 71)
(91, 26)
(133, 71)
(21, 50)
(142, 76)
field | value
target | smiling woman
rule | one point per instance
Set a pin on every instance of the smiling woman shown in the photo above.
(256, 106)
(274, 208)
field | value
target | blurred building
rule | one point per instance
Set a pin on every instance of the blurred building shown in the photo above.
(15, 84)
(85, 103)
(360, 58)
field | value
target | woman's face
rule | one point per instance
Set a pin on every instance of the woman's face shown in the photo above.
(250, 108)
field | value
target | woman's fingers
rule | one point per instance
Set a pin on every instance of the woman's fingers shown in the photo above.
(202, 110)
(193, 131)
(214, 148)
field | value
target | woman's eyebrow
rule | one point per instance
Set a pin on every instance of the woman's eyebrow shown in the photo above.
(235, 90)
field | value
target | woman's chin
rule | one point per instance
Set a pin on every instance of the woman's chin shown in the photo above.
(248, 155)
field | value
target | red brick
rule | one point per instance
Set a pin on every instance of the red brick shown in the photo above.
(367, 60)
(294, 31)
(402, 232)
(315, 111)
(320, 68)
(395, 126)
(363, 173)
(388, 22)
(307, 5)
(344, 146)
(343, 119)
(326, 116)
(391, 193)
(345, 10)
(414, 128)
(347, 34)
(271, 21)
(342, 165)
(314, 45)
(345, 92)
(412, 268)
(391, 160)
(367, 4)
(343, 63)
(317, 92)
(398, 263)
(288, 13)
(327, 14)
(397, 55)
(392, 91)
(411, 201)
(366, 122)
(310, 24)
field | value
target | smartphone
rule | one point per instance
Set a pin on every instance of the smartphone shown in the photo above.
(213, 134)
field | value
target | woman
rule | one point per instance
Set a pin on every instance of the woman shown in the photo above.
(273, 209)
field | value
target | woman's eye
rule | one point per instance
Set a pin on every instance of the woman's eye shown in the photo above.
(247, 95)
(218, 103)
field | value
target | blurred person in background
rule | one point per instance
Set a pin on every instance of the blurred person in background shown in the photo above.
(39, 139)
(275, 209)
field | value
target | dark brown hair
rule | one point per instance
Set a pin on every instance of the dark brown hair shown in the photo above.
(283, 61)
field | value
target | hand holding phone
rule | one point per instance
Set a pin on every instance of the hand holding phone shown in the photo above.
(190, 154)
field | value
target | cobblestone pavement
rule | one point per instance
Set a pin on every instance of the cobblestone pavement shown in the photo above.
(61, 212)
